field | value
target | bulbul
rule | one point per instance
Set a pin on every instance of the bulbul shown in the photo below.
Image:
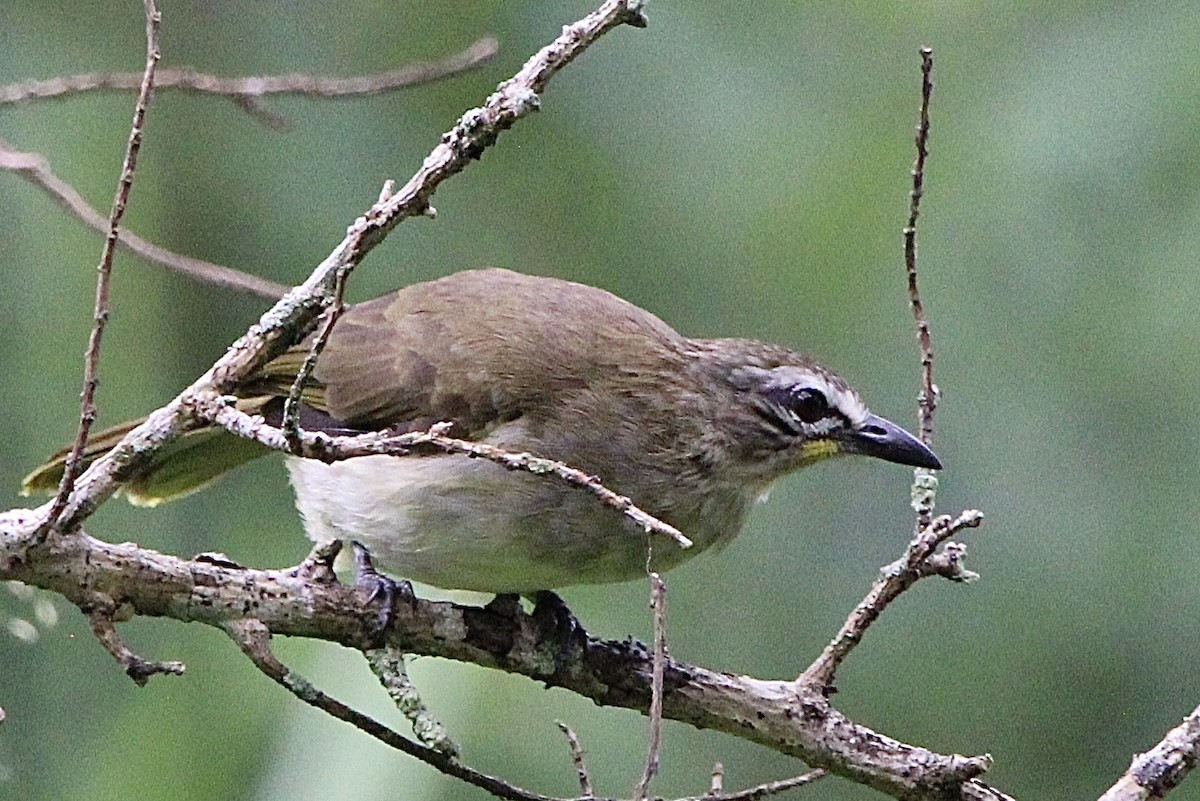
(692, 430)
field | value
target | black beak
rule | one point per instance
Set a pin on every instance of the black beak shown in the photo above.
(885, 440)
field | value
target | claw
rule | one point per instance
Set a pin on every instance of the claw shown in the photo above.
(380, 589)
(553, 614)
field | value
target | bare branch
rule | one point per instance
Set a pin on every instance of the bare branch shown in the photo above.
(135, 667)
(254, 640)
(1163, 767)
(975, 790)
(658, 603)
(928, 398)
(920, 559)
(222, 411)
(924, 489)
(571, 475)
(34, 169)
(91, 364)
(249, 90)
(291, 405)
(893, 580)
(717, 785)
(767, 789)
(293, 316)
(789, 718)
(585, 780)
(389, 667)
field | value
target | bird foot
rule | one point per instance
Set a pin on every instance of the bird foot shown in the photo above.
(555, 620)
(380, 590)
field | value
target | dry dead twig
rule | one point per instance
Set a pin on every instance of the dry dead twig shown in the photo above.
(91, 362)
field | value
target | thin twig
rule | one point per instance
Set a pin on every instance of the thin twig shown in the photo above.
(975, 790)
(571, 475)
(388, 665)
(928, 396)
(293, 316)
(921, 558)
(1163, 767)
(290, 424)
(245, 91)
(658, 603)
(91, 364)
(257, 86)
(222, 411)
(137, 668)
(586, 790)
(291, 405)
(34, 169)
(254, 640)
(928, 399)
(716, 783)
(767, 788)
(893, 580)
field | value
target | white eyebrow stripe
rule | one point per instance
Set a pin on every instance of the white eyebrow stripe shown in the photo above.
(840, 396)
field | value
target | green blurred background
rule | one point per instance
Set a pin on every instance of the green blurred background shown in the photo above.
(739, 169)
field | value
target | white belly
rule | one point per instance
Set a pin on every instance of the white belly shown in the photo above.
(461, 523)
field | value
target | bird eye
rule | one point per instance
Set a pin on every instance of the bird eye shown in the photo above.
(809, 404)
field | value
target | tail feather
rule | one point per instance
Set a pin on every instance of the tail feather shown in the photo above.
(180, 468)
(190, 464)
(44, 479)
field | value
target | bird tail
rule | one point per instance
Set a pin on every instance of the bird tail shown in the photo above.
(186, 465)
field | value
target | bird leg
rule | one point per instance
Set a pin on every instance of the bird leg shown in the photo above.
(379, 589)
(555, 620)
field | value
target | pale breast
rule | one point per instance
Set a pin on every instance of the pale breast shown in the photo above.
(461, 523)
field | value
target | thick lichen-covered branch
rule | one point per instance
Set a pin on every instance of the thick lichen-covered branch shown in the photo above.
(781, 715)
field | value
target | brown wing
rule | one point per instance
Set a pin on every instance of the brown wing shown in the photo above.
(418, 356)
(477, 348)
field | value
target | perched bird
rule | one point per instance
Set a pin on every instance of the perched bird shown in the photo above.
(692, 430)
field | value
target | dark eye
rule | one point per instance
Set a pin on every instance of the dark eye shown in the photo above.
(808, 404)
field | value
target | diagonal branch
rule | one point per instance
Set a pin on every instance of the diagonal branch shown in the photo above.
(222, 411)
(1163, 767)
(289, 319)
(253, 638)
(247, 92)
(919, 561)
(34, 169)
(91, 363)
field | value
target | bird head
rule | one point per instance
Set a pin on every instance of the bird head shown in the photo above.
(790, 412)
